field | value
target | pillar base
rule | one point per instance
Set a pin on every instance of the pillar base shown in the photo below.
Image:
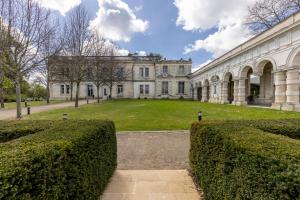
(224, 102)
(277, 106)
(241, 103)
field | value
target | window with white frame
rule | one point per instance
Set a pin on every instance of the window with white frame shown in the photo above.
(144, 72)
(62, 89)
(165, 88)
(147, 89)
(180, 87)
(142, 89)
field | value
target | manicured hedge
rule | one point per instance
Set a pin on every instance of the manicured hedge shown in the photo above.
(71, 160)
(10, 130)
(232, 160)
(290, 127)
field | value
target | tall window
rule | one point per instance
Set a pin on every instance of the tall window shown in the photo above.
(165, 69)
(141, 72)
(215, 89)
(62, 89)
(141, 89)
(181, 69)
(90, 91)
(120, 72)
(181, 87)
(146, 72)
(147, 88)
(67, 89)
(165, 89)
(120, 90)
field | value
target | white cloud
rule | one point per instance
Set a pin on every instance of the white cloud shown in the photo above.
(141, 53)
(138, 8)
(116, 21)
(123, 52)
(227, 16)
(63, 6)
(201, 65)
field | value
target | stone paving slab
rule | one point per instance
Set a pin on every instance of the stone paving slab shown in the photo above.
(153, 150)
(151, 185)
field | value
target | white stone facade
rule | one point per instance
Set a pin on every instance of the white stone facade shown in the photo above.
(146, 80)
(273, 57)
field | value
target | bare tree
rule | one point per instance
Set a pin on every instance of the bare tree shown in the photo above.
(25, 22)
(52, 46)
(267, 13)
(99, 50)
(77, 44)
(113, 73)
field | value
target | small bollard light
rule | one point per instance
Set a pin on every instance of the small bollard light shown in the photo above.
(28, 110)
(199, 116)
(65, 116)
(87, 101)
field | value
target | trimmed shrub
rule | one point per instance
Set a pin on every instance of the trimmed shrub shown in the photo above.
(290, 127)
(233, 161)
(10, 130)
(71, 160)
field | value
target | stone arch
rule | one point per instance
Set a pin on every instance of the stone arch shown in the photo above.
(249, 90)
(228, 87)
(260, 64)
(206, 90)
(294, 58)
(264, 69)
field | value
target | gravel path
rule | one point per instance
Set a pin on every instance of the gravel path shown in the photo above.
(153, 150)
(11, 114)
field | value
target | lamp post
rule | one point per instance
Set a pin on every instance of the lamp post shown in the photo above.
(28, 110)
(199, 116)
(65, 116)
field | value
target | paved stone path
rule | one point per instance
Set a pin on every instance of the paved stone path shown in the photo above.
(151, 185)
(11, 113)
(152, 166)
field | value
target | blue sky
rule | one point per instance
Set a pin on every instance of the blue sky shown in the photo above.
(197, 29)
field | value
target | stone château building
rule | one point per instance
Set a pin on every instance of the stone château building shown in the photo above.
(148, 77)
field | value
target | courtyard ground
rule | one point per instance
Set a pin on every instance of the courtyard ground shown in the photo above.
(154, 115)
(152, 165)
(12, 105)
(11, 113)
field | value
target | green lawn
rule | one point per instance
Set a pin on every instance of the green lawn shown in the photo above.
(137, 115)
(12, 105)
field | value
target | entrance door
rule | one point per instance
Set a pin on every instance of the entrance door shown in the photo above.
(90, 91)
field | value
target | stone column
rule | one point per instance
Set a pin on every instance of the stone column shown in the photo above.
(204, 94)
(242, 92)
(280, 89)
(236, 92)
(292, 89)
(224, 92)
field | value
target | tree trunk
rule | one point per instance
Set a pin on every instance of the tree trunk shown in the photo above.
(71, 87)
(18, 98)
(2, 97)
(77, 95)
(48, 92)
(98, 95)
(110, 92)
